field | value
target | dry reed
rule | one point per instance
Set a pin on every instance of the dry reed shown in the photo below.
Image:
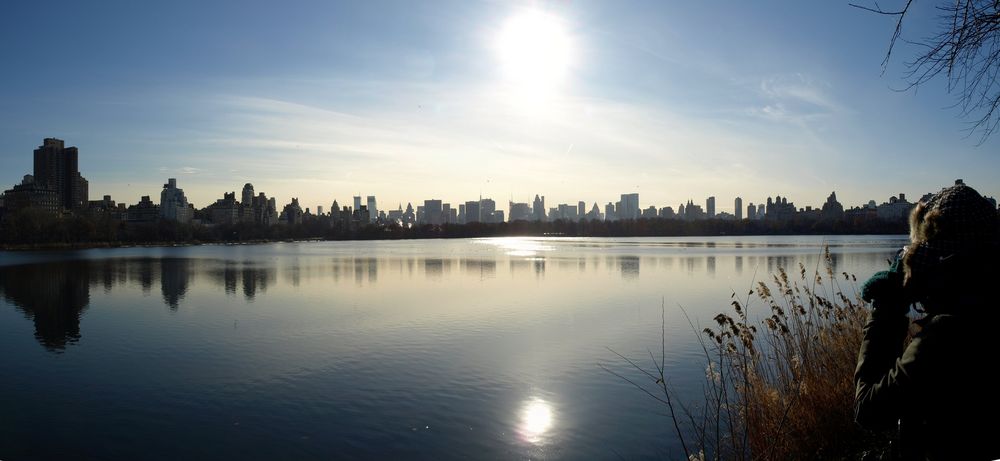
(779, 382)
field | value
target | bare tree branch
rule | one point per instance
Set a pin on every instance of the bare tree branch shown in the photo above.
(965, 52)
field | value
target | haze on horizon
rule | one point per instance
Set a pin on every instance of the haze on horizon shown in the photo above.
(573, 100)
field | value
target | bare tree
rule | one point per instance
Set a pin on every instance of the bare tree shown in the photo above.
(965, 50)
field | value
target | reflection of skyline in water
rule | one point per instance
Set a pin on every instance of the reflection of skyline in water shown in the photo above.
(55, 294)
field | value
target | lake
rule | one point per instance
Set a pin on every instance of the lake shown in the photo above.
(420, 349)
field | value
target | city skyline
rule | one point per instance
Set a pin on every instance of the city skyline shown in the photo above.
(53, 158)
(444, 102)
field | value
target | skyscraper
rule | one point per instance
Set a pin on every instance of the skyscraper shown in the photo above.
(487, 208)
(629, 206)
(173, 203)
(432, 211)
(538, 208)
(710, 207)
(57, 169)
(357, 202)
(472, 212)
(518, 211)
(372, 209)
(247, 195)
(738, 208)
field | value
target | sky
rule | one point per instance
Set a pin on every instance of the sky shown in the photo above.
(453, 100)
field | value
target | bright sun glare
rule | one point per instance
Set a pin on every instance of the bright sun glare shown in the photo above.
(536, 419)
(534, 49)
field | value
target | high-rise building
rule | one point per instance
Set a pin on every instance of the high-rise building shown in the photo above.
(247, 195)
(357, 202)
(226, 210)
(629, 206)
(565, 212)
(432, 211)
(372, 209)
(738, 208)
(751, 211)
(710, 207)
(692, 211)
(595, 213)
(28, 194)
(409, 216)
(57, 169)
(319, 210)
(519, 212)
(581, 209)
(292, 213)
(173, 203)
(609, 212)
(760, 211)
(472, 212)
(446, 214)
(144, 211)
(538, 208)
(487, 208)
(832, 209)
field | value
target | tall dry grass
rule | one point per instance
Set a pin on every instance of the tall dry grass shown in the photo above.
(779, 374)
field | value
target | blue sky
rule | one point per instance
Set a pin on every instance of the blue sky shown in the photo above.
(414, 100)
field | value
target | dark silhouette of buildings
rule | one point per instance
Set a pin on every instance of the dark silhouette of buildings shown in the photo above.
(832, 209)
(173, 203)
(143, 212)
(538, 208)
(57, 169)
(779, 209)
(30, 194)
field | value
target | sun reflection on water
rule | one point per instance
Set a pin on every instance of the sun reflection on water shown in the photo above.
(536, 420)
(517, 246)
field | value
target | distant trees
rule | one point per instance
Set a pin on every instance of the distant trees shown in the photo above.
(965, 51)
(31, 228)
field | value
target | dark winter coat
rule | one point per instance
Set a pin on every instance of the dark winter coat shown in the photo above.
(942, 389)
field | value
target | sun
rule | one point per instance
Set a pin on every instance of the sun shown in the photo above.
(534, 50)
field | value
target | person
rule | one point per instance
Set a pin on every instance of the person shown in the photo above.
(941, 389)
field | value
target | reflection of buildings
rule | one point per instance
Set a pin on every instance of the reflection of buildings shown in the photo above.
(257, 278)
(52, 295)
(229, 275)
(629, 266)
(174, 277)
(434, 267)
(364, 268)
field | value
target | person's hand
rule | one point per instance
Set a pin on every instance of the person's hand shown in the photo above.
(884, 290)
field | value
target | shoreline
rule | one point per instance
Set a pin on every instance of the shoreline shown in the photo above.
(42, 247)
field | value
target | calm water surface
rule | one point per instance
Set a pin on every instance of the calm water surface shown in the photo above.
(429, 349)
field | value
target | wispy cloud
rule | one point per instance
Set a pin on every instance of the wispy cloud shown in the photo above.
(186, 170)
(796, 99)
